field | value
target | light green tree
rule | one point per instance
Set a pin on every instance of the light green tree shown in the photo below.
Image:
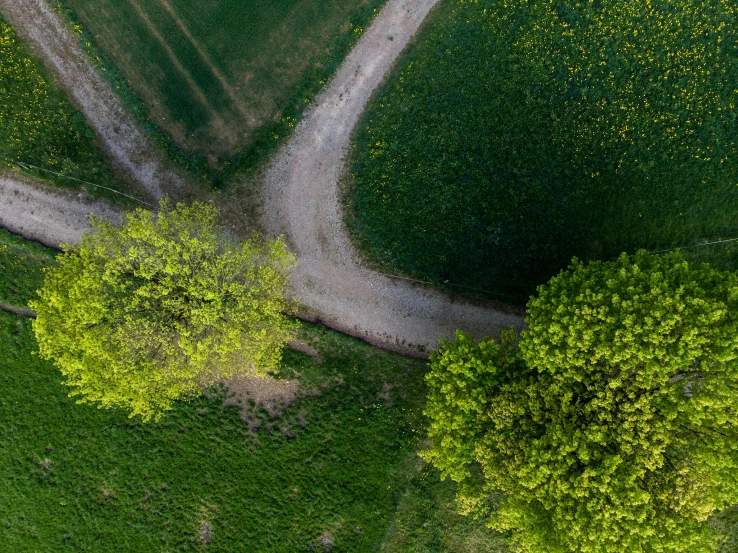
(611, 425)
(142, 314)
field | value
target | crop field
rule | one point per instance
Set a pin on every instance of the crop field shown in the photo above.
(219, 75)
(514, 135)
(336, 470)
(39, 126)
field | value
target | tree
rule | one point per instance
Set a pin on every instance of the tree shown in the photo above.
(142, 314)
(611, 425)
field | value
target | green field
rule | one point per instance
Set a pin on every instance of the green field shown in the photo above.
(222, 77)
(338, 465)
(515, 135)
(38, 125)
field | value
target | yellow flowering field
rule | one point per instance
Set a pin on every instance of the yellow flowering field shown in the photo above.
(516, 134)
(39, 126)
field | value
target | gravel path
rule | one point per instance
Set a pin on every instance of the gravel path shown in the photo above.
(301, 202)
(300, 194)
(49, 215)
(130, 150)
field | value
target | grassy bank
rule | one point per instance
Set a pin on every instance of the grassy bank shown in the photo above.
(39, 126)
(515, 135)
(21, 268)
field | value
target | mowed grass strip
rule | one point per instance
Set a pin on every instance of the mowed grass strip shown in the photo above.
(217, 75)
(39, 126)
(515, 135)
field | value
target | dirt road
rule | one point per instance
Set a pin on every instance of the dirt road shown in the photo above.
(301, 201)
(300, 194)
(118, 133)
(50, 216)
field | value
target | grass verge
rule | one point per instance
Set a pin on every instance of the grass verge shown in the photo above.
(21, 268)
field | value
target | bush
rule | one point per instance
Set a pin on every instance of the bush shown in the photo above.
(141, 315)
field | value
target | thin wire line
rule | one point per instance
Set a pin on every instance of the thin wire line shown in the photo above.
(697, 245)
(27, 165)
(449, 284)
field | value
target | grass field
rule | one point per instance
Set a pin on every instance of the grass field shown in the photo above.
(515, 135)
(338, 466)
(39, 126)
(223, 77)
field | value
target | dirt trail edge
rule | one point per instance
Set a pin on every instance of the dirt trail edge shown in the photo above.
(302, 202)
(116, 129)
(48, 215)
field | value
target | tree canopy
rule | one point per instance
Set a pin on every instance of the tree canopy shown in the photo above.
(144, 313)
(611, 424)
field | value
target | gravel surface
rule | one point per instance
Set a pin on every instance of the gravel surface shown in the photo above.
(301, 200)
(300, 194)
(48, 215)
(118, 133)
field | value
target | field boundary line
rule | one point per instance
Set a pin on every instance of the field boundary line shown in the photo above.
(175, 60)
(240, 106)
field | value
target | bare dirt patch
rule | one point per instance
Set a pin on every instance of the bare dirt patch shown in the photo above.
(304, 347)
(268, 393)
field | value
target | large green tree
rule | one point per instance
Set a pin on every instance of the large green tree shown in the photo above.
(611, 424)
(153, 310)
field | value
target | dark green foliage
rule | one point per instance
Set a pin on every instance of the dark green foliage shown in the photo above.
(726, 525)
(39, 126)
(515, 135)
(21, 262)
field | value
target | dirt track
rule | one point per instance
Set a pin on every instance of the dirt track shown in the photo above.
(300, 193)
(44, 214)
(130, 150)
(301, 201)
